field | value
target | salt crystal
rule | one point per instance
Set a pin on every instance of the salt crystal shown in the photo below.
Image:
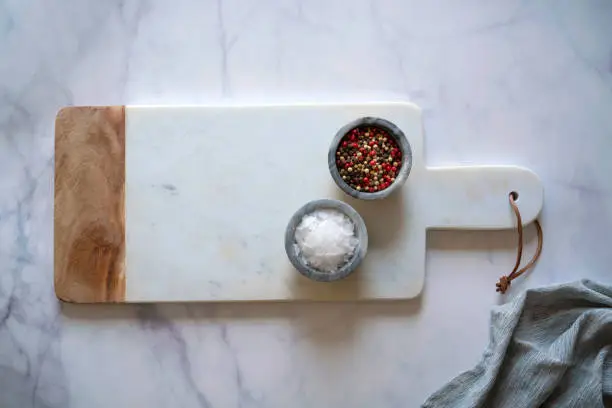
(326, 239)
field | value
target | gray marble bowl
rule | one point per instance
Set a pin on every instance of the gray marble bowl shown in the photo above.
(293, 251)
(396, 133)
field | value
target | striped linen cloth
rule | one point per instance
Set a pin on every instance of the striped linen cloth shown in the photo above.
(550, 347)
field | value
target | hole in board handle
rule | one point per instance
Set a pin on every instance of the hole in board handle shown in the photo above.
(514, 195)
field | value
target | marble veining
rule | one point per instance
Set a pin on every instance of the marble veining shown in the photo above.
(505, 82)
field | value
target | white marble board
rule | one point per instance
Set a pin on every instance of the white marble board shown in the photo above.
(209, 191)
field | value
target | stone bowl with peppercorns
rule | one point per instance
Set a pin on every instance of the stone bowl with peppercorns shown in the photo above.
(370, 158)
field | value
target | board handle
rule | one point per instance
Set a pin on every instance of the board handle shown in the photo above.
(476, 197)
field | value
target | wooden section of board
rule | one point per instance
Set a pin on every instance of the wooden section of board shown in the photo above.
(89, 218)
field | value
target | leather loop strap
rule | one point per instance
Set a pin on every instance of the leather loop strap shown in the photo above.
(505, 281)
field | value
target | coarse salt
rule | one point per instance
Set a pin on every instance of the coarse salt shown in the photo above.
(326, 239)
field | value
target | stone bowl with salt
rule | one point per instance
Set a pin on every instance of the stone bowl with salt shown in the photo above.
(326, 240)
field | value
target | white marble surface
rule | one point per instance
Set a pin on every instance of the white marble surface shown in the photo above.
(203, 217)
(525, 82)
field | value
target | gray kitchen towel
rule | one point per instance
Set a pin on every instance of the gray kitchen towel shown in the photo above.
(551, 347)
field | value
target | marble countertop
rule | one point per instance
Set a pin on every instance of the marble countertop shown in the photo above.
(501, 82)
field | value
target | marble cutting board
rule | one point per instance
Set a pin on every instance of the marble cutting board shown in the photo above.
(190, 203)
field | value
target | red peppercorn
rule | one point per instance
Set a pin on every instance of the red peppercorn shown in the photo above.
(394, 169)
